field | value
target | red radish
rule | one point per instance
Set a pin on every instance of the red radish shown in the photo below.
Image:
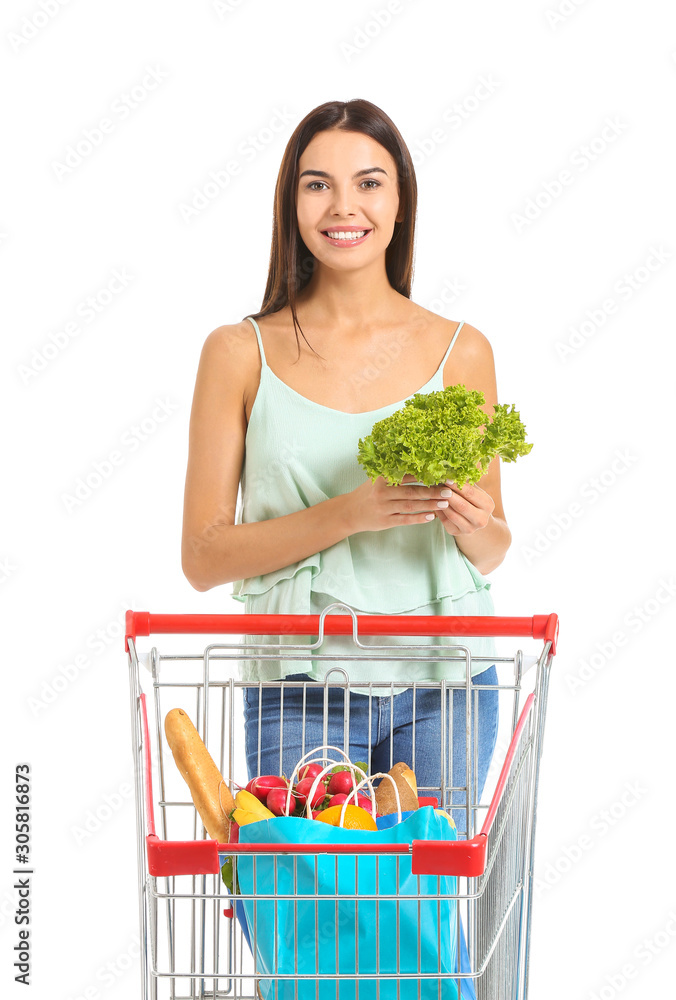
(341, 783)
(304, 787)
(277, 802)
(261, 786)
(310, 771)
(362, 801)
(316, 813)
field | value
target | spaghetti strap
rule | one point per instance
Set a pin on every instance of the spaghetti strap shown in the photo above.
(264, 363)
(260, 342)
(450, 346)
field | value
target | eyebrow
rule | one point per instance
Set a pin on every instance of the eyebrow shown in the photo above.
(360, 173)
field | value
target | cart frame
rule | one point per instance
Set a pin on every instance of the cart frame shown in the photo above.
(479, 859)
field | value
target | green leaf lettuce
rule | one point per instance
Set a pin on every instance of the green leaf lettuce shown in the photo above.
(437, 436)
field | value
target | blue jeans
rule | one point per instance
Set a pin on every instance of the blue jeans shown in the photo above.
(391, 738)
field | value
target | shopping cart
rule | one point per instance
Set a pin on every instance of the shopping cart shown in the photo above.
(193, 945)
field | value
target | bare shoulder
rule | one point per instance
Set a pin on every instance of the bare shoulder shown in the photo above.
(232, 350)
(472, 363)
(471, 347)
(230, 342)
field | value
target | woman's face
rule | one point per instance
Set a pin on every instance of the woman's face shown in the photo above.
(346, 181)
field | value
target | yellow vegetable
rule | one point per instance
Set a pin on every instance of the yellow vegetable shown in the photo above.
(449, 818)
(243, 817)
(245, 800)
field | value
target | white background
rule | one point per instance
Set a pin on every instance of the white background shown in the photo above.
(604, 912)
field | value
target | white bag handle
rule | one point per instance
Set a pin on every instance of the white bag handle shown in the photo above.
(352, 768)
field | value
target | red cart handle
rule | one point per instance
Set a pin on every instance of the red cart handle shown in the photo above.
(538, 627)
(428, 857)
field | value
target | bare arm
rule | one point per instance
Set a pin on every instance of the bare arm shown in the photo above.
(264, 546)
(475, 516)
(214, 550)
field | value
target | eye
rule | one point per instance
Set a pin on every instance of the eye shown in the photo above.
(376, 184)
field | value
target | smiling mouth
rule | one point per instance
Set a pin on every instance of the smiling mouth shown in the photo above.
(342, 238)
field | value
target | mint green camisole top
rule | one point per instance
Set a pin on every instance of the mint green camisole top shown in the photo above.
(299, 453)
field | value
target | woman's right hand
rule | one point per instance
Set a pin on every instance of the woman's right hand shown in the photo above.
(375, 506)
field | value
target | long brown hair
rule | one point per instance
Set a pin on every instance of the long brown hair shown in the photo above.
(291, 263)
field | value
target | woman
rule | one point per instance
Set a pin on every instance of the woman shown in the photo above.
(313, 528)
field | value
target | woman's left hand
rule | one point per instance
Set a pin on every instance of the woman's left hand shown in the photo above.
(469, 509)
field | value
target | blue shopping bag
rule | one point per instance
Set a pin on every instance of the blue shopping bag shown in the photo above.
(339, 937)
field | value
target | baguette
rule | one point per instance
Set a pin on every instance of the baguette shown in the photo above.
(209, 792)
(386, 799)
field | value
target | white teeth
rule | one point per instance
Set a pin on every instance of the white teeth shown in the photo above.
(347, 236)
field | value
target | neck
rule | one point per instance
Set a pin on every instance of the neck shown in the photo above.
(349, 299)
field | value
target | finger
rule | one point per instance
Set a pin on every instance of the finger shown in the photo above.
(473, 503)
(455, 523)
(448, 525)
(413, 489)
(470, 491)
(407, 488)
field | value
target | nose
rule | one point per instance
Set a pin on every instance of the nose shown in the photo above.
(343, 200)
